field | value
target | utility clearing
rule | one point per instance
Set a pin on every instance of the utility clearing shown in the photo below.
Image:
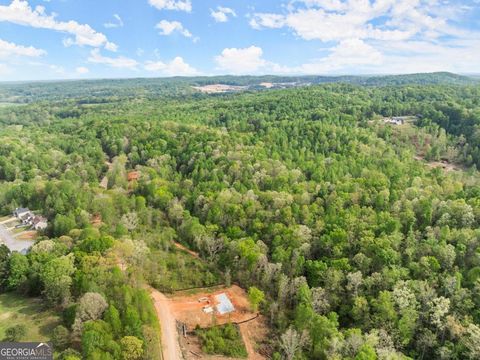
(443, 164)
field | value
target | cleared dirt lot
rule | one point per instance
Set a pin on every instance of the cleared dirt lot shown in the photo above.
(187, 308)
(218, 88)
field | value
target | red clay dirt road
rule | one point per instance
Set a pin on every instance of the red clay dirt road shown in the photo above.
(170, 346)
(181, 247)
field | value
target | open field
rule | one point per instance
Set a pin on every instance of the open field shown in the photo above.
(16, 310)
(8, 104)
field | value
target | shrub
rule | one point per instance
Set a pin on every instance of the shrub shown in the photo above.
(225, 340)
(15, 333)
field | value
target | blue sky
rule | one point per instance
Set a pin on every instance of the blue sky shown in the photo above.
(67, 39)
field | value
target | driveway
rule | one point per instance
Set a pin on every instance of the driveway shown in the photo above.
(12, 243)
(170, 346)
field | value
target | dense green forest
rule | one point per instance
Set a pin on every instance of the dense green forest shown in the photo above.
(362, 250)
(95, 91)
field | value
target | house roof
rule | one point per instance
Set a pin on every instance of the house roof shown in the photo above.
(26, 215)
(133, 175)
(21, 210)
(39, 219)
(224, 305)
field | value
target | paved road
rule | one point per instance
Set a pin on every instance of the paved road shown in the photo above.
(170, 346)
(12, 243)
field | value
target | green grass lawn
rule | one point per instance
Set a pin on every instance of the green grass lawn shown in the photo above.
(15, 310)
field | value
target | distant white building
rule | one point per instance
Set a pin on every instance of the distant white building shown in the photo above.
(394, 120)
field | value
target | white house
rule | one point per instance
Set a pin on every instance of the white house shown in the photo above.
(29, 218)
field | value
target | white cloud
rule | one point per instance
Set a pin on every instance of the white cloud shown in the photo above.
(330, 5)
(180, 5)
(356, 56)
(460, 56)
(176, 67)
(19, 12)
(116, 62)
(57, 69)
(82, 70)
(349, 54)
(169, 27)
(336, 20)
(378, 36)
(4, 69)
(222, 13)
(118, 23)
(273, 21)
(241, 61)
(8, 49)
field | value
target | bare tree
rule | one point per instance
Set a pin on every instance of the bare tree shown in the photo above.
(210, 244)
(130, 221)
(355, 280)
(472, 341)
(292, 342)
(91, 306)
(439, 308)
(320, 302)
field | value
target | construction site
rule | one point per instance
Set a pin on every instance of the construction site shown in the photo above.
(187, 310)
(207, 308)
